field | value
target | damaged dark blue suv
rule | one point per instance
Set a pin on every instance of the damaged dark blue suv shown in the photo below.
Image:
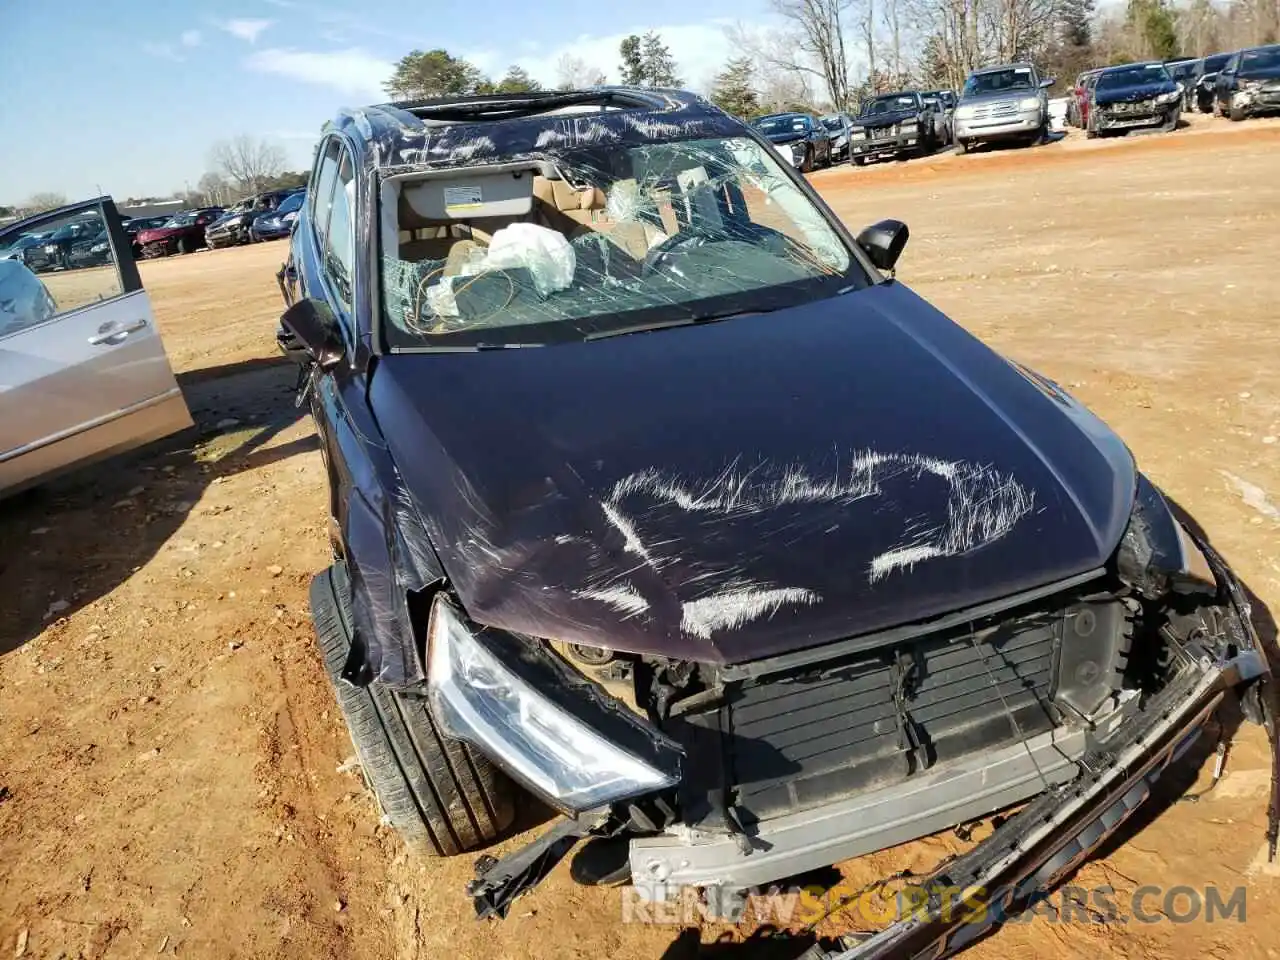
(655, 496)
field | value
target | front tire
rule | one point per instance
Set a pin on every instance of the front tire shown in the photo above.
(1236, 114)
(442, 796)
(963, 146)
(806, 165)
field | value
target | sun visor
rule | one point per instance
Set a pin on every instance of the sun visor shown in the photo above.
(472, 194)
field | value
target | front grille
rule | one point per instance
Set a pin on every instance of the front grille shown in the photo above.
(800, 741)
(995, 111)
(1130, 109)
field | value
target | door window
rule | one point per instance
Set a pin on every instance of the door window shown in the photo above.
(55, 266)
(323, 194)
(339, 242)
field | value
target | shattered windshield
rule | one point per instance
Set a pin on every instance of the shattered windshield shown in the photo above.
(1135, 76)
(998, 81)
(601, 241)
(891, 104)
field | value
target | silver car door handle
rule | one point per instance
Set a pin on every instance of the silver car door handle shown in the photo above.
(110, 333)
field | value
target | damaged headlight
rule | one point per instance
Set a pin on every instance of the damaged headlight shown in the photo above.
(477, 698)
(1156, 553)
(1168, 97)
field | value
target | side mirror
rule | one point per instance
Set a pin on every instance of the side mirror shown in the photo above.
(310, 326)
(883, 242)
(1048, 82)
(1181, 88)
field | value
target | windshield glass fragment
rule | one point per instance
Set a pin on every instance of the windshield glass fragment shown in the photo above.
(598, 240)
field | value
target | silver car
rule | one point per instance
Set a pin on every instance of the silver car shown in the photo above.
(83, 373)
(1008, 102)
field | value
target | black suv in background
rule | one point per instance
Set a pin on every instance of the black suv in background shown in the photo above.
(655, 496)
(894, 125)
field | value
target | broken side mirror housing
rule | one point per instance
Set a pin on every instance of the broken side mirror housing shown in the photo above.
(311, 325)
(883, 242)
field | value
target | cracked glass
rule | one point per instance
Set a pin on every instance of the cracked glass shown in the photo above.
(603, 240)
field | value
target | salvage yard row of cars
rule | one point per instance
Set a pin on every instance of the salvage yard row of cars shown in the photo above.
(1234, 85)
(1009, 102)
(84, 242)
(728, 637)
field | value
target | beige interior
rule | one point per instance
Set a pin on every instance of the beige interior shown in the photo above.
(556, 205)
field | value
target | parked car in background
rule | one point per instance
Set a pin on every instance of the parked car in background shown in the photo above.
(1204, 75)
(838, 127)
(278, 223)
(894, 125)
(182, 233)
(1182, 72)
(730, 636)
(54, 252)
(135, 225)
(236, 225)
(1249, 83)
(1078, 99)
(83, 369)
(800, 139)
(1003, 103)
(1133, 96)
(943, 103)
(17, 247)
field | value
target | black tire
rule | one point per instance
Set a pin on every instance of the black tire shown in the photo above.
(184, 245)
(806, 165)
(962, 146)
(859, 161)
(1236, 114)
(442, 796)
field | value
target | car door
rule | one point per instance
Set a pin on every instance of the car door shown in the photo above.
(83, 373)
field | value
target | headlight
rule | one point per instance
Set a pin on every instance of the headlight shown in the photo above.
(1168, 97)
(965, 113)
(98, 248)
(290, 217)
(908, 124)
(1028, 103)
(477, 698)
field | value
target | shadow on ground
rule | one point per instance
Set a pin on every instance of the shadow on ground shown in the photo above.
(79, 537)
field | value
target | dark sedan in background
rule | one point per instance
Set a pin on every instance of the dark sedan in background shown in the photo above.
(1249, 83)
(838, 127)
(277, 224)
(1133, 96)
(800, 139)
(236, 225)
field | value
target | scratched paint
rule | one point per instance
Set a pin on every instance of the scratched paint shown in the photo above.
(982, 506)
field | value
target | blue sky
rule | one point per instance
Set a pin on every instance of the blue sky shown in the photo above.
(129, 95)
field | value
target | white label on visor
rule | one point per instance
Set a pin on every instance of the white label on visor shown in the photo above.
(462, 198)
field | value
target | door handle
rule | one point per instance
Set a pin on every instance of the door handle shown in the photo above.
(110, 333)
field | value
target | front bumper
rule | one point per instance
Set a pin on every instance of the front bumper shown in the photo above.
(889, 146)
(1263, 100)
(1131, 121)
(996, 128)
(1048, 839)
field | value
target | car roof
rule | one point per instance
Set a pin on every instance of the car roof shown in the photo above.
(1001, 66)
(1130, 66)
(493, 128)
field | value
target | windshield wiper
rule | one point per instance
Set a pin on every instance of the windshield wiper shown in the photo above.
(682, 322)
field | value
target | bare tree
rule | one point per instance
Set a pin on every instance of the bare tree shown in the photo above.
(247, 162)
(813, 46)
(574, 73)
(40, 202)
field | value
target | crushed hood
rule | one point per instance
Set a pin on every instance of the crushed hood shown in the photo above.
(750, 486)
(885, 119)
(1134, 94)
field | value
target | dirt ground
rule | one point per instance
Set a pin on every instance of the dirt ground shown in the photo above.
(172, 776)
